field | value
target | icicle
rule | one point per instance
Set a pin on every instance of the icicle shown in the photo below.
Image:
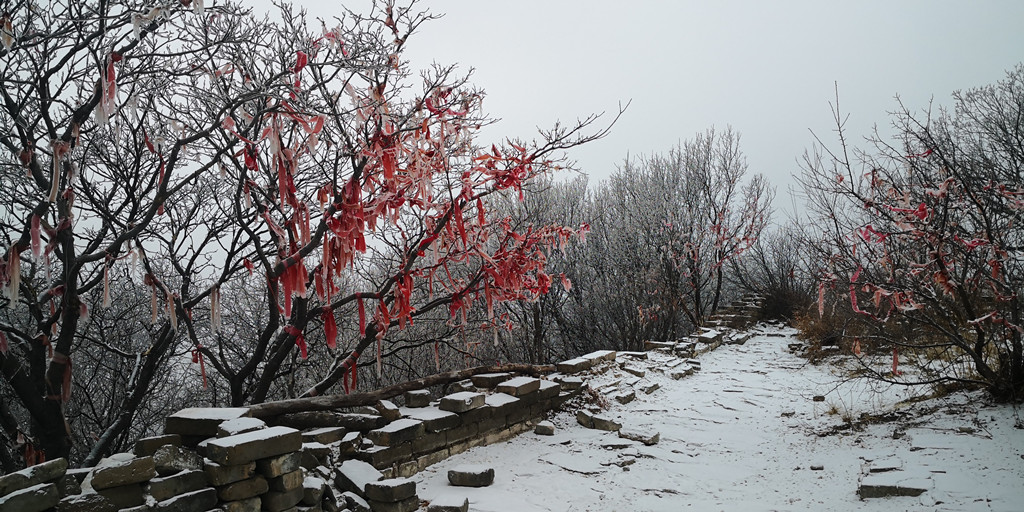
(37, 243)
(106, 283)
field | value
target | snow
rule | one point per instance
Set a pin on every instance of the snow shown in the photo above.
(743, 433)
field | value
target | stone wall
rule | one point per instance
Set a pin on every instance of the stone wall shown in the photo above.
(223, 459)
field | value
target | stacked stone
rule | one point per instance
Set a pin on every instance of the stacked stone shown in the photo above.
(35, 488)
(256, 469)
(120, 479)
(365, 488)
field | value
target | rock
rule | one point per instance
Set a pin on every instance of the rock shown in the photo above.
(124, 470)
(313, 490)
(149, 445)
(223, 475)
(353, 475)
(892, 483)
(545, 428)
(468, 475)
(391, 490)
(287, 481)
(818, 398)
(519, 386)
(388, 410)
(656, 345)
(417, 398)
(170, 459)
(31, 499)
(597, 422)
(817, 467)
(490, 380)
(406, 505)
(247, 505)
(463, 385)
(433, 419)
(86, 502)
(600, 355)
(625, 397)
(201, 421)
(243, 448)
(886, 464)
(32, 476)
(275, 501)
(647, 438)
(650, 387)
(355, 503)
(314, 454)
(396, 432)
(634, 371)
(325, 435)
(276, 466)
(570, 383)
(462, 402)
(576, 365)
(165, 488)
(243, 489)
(203, 499)
(237, 426)
(449, 503)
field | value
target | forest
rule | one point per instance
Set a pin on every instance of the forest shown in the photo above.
(203, 206)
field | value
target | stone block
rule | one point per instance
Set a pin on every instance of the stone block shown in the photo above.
(407, 505)
(575, 365)
(625, 397)
(124, 496)
(317, 419)
(223, 475)
(477, 415)
(518, 386)
(396, 432)
(169, 459)
(571, 383)
(384, 456)
(656, 345)
(287, 481)
(449, 503)
(425, 461)
(313, 489)
(463, 385)
(85, 502)
(406, 469)
(354, 502)
(434, 419)
(353, 475)
(315, 454)
(545, 428)
(388, 410)
(48, 471)
(429, 442)
(275, 501)
(237, 426)
(278, 465)
(248, 447)
(589, 420)
(490, 380)
(649, 387)
(391, 490)
(462, 401)
(417, 398)
(634, 371)
(68, 485)
(325, 435)
(36, 498)
(471, 475)
(119, 472)
(243, 489)
(548, 390)
(647, 438)
(148, 445)
(201, 421)
(350, 443)
(461, 433)
(600, 355)
(203, 499)
(247, 505)
(641, 356)
(892, 483)
(164, 488)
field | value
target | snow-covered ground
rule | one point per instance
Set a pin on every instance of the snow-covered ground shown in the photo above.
(743, 434)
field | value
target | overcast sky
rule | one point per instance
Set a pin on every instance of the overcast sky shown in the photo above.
(768, 69)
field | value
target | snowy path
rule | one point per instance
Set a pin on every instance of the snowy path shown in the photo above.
(738, 435)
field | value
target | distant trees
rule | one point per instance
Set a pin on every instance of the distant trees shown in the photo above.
(925, 235)
(249, 204)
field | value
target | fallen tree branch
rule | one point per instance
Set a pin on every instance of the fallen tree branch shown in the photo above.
(329, 402)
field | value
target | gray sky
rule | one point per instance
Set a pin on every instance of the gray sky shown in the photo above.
(768, 69)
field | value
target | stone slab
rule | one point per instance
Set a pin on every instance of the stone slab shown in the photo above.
(32, 476)
(417, 398)
(165, 488)
(396, 432)
(236, 426)
(433, 419)
(325, 435)
(518, 386)
(203, 499)
(471, 475)
(36, 498)
(489, 380)
(223, 475)
(243, 448)
(353, 475)
(149, 445)
(462, 401)
(114, 473)
(201, 421)
(391, 490)
(449, 503)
